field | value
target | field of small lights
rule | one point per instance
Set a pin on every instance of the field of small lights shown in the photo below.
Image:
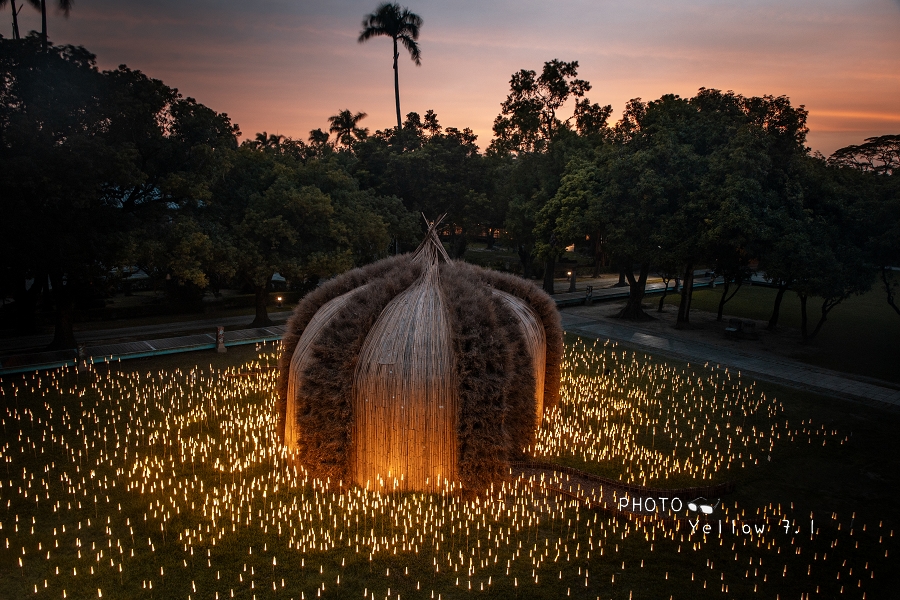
(164, 478)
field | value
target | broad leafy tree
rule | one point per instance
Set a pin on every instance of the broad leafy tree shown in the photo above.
(273, 224)
(91, 160)
(529, 119)
(434, 171)
(878, 155)
(274, 213)
(531, 147)
(58, 226)
(877, 160)
(838, 267)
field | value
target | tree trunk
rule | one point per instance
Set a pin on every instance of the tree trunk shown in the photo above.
(726, 297)
(725, 285)
(633, 310)
(598, 255)
(687, 291)
(15, 23)
(803, 320)
(64, 304)
(549, 268)
(622, 277)
(663, 298)
(262, 313)
(25, 303)
(458, 246)
(773, 320)
(44, 25)
(527, 262)
(889, 289)
(827, 305)
(397, 87)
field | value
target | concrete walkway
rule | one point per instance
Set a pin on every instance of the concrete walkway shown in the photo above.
(23, 363)
(133, 342)
(755, 365)
(23, 354)
(605, 288)
(95, 336)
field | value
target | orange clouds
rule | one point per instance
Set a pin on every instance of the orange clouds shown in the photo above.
(285, 66)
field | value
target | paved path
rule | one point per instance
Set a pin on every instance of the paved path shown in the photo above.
(605, 288)
(7, 345)
(22, 363)
(760, 366)
(132, 342)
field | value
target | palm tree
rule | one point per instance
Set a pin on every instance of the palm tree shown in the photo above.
(318, 142)
(15, 13)
(398, 24)
(268, 141)
(344, 124)
(41, 5)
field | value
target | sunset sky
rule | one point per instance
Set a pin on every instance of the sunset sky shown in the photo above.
(284, 66)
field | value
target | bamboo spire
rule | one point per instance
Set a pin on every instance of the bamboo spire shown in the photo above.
(431, 250)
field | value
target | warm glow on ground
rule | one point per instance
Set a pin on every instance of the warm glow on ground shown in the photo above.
(119, 483)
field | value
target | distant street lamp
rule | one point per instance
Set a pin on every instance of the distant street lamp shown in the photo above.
(571, 275)
(279, 300)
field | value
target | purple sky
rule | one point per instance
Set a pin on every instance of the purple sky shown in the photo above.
(284, 66)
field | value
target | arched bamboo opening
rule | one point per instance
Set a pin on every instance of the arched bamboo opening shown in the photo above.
(302, 359)
(536, 339)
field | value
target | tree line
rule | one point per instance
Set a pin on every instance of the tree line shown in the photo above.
(103, 170)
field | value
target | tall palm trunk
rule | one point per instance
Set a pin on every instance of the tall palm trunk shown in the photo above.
(15, 12)
(44, 25)
(397, 85)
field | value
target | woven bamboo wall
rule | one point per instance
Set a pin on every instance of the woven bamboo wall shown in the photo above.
(404, 395)
(536, 339)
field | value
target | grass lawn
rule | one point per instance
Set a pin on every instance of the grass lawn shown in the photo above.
(861, 335)
(503, 258)
(162, 478)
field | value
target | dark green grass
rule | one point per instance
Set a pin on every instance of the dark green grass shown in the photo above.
(856, 480)
(860, 475)
(861, 335)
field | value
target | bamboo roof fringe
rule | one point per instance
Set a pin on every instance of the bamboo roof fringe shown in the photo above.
(418, 373)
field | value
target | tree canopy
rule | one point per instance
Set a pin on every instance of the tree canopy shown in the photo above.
(107, 171)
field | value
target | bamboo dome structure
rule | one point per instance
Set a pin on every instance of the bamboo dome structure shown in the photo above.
(418, 373)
